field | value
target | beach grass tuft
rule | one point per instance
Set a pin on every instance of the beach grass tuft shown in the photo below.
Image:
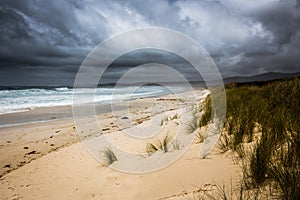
(151, 149)
(162, 145)
(161, 122)
(224, 143)
(200, 137)
(176, 145)
(176, 116)
(193, 125)
(206, 109)
(109, 155)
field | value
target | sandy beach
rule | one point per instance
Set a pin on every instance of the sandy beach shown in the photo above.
(48, 158)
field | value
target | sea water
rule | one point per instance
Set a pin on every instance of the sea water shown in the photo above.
(19, 100)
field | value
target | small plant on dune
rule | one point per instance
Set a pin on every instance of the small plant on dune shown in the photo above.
(161, 122)
(166, 118)
(200, 137)
(194, 123)
(224, 143)
(151, 149)
(176, 116)
(176, 145)
(109, 156)
(163, 144)
(193, 126)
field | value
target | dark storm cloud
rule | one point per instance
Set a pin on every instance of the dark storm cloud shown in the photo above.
(139, 57)
(276, 46)
(25, 42)
(44, 42)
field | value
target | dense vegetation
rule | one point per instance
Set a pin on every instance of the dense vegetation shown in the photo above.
(262, 126)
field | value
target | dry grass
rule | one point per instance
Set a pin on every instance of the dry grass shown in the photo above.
(193, 125)
(162, 145)
(176, 145)
(200, 137)
(274, 159)
(109, 156)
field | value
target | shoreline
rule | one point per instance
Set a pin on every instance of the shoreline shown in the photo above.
(45, 114)
(103, 102)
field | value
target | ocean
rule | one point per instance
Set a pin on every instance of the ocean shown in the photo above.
(20, 100)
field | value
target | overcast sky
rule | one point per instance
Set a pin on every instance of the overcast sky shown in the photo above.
(44, 42)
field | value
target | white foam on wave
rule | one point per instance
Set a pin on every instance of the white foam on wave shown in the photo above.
(27, 99)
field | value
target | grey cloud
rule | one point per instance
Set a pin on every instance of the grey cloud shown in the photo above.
(46, 40)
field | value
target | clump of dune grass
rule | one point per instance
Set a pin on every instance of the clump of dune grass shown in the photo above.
(169, 118)
(200, 137)
(151, 149)
(109, 155)
(206, 109)
(176, 116)
(193, 125)
(260, 160)
(176, 145)
(162, 145)
(198, 121)
(161, 122)
(224, 143)
(166, 118)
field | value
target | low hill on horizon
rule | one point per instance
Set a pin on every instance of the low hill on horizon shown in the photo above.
(261, 77)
